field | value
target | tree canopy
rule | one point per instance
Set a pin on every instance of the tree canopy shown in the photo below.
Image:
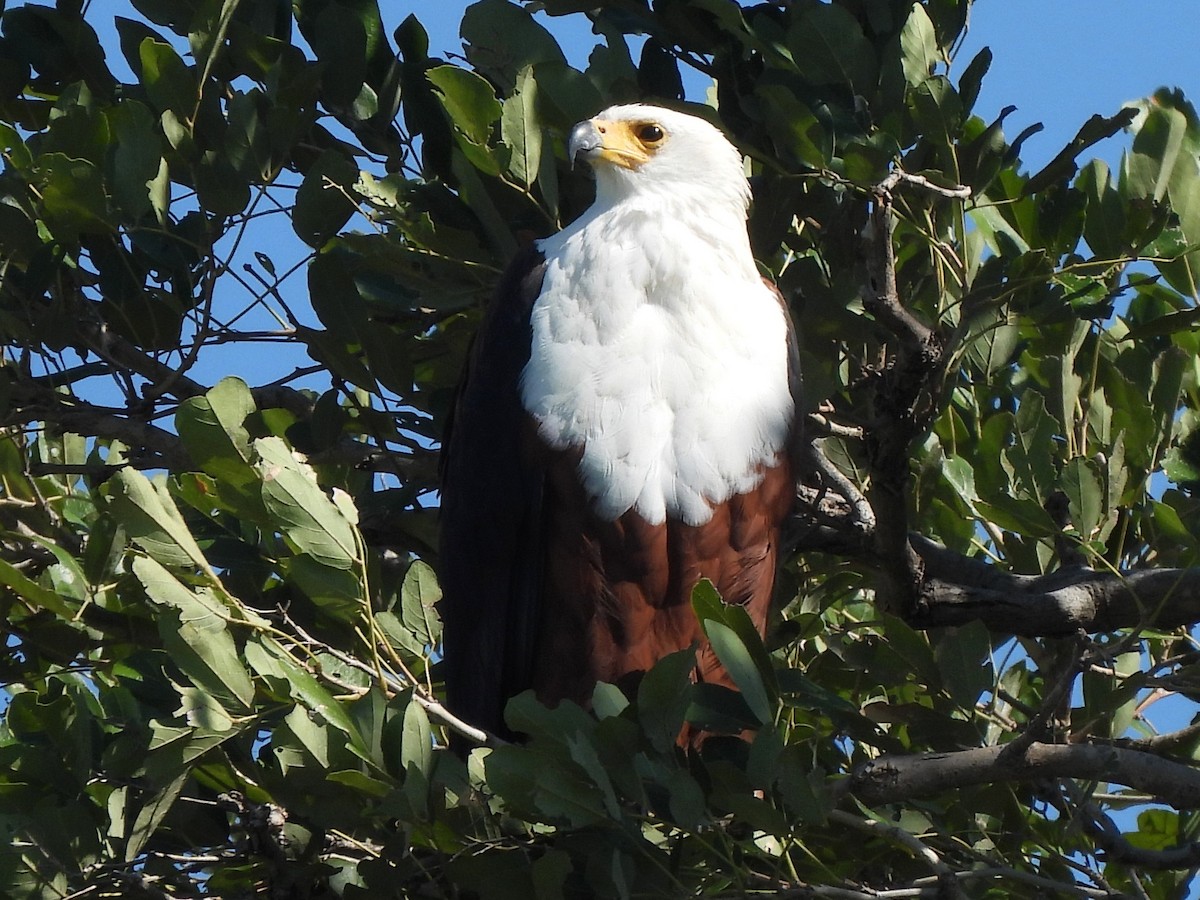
(243, 247)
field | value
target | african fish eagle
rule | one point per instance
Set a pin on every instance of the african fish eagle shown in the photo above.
(623, 429)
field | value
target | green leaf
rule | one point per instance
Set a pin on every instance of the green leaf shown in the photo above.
(793, 125)
(739, 662)
(419, 595)
(213, 432)
(326, 199)
(310, 521)
(475, 194)
(149, 515)
(717, 708)
(136, 158)
(550, 871)
(201, 645)
(544, 789)
(1032, 453)
(663, 697)
(521, 130)
(1063, 166)
(958, 472)
(312, 733)
(338, 591)
(34, 592)
(169, 82)
(971, 80)
(708, 606)
(502, 39)
(152, 814)
(1104, 221)
(583, 753)
(993, 346)
(526, 714)
(963, 660)
(472, 106)
(1157, 145)
(73, 197)
(829, 47)
(1082, 484)
(268, 659)
(686, 800)
(417, 746)
(608, 701)
(918, 46)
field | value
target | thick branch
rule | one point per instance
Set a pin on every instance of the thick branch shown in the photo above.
(33, 404)
(901, 410)
(960, 590)
(891, 779)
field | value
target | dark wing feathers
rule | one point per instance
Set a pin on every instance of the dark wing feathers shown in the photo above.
(796, 443)
(491, 529)
(525, 563)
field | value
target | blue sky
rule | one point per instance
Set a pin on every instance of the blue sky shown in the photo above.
(1057, 61)
(1060, 62)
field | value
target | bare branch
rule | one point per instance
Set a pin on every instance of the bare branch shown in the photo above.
(893, 778)
(1060, 603)
(900, 412)
(863, 515)
(72, 416)
(115, 349)
(1162, 743)
(820, 424)
(898, 176)
(883, 297)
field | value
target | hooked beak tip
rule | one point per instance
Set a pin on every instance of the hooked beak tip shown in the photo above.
(584, 139)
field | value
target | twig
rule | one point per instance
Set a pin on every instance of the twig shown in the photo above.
(898, 176)
(1038, 728)
(832, 475)
(1108, 837)
(949, 888)
(820, 424)
(429, 704)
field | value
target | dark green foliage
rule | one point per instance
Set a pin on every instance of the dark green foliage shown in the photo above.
(220, 613)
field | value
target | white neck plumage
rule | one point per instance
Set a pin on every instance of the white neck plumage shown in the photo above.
(658, 350)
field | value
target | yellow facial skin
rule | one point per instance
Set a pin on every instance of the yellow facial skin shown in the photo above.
(629, 144)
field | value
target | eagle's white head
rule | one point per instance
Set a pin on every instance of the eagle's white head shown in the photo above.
(638, 150)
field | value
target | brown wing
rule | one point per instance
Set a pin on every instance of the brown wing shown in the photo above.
(491, 549)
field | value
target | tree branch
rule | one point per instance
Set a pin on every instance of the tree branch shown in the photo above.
(901, 405)
(1108, 837)
(33, 404)
(891, 779)
(960, 590)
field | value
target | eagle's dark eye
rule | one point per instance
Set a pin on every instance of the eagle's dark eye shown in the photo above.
(649, 133)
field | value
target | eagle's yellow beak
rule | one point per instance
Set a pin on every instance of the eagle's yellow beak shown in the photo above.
(628, 144)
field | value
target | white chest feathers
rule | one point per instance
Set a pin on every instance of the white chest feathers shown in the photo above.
(657, 349)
